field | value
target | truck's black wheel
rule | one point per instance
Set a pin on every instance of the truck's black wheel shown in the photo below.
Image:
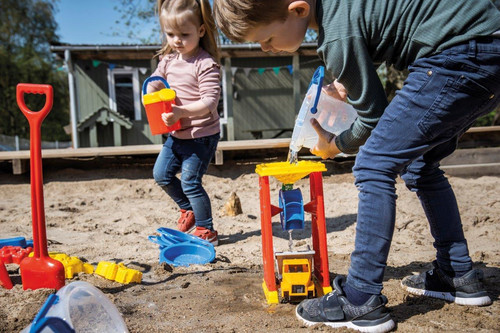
(286, 297)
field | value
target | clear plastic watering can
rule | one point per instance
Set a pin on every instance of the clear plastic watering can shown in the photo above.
(332, 114)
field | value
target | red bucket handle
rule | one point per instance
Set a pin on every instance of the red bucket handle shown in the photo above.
(30, 88)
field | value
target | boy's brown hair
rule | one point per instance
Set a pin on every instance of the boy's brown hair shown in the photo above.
(236, 18)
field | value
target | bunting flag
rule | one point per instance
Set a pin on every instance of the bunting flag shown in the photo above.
(97, 63)
(246, 70)
(262, 70)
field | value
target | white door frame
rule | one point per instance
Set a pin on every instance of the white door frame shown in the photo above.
(135, 86)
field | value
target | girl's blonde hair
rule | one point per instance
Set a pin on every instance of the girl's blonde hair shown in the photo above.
(236, 18)
(199, 12)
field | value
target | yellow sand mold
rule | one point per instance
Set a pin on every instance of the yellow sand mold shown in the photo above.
(118, 272)
(72, 265)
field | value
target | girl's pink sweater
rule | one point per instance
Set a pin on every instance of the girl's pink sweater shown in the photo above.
(194, 79)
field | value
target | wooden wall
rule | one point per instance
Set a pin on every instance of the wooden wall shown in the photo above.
(262, 100)
(92, 94)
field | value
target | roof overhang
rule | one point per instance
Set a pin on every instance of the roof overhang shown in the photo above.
(146, 52)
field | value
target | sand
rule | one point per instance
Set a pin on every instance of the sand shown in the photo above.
(106, 211)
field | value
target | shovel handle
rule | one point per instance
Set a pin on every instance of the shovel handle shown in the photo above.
(35, 119)
(30, 88)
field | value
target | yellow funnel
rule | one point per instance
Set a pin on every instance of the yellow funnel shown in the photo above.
(288, 173)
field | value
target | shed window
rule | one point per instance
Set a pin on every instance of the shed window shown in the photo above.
(124, 92)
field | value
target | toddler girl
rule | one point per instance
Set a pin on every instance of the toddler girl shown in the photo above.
(190, 64)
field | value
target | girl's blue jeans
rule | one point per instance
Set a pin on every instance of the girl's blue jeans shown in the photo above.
(442, 96)
(191, 157)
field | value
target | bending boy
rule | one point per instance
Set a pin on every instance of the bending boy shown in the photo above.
(452, 51)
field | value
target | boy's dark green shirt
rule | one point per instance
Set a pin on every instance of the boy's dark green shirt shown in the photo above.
(355, 36)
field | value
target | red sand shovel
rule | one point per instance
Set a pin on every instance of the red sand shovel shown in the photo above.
(39, 271)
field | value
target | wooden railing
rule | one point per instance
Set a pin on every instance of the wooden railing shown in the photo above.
(19, 158)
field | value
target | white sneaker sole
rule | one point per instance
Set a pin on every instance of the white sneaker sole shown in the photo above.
(190, 231)
(214, 242)
(473, 301)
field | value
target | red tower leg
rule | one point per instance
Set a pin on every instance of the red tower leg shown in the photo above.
(269, 284)
(318, 227)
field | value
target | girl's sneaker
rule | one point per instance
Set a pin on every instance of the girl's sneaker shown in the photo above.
(207, 235)
(186, 221)
(465, 290)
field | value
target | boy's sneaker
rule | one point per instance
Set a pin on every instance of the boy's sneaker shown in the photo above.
(207, 235)
(186, 221)
(465, 290)
(336, 311)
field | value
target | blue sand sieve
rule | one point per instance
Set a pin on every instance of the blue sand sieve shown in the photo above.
(181, 249)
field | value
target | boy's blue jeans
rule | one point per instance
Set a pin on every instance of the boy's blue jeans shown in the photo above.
(439, 101)
(191, 157)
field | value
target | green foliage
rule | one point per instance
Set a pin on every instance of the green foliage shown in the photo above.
(27, 28)
(135, 14)
(488, 119)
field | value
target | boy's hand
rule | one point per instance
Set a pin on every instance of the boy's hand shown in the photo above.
(170, 118)
(336, 90)
(325, 147)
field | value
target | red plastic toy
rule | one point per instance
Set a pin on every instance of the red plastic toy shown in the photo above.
(39, 271)
(4, 277)
(158, 103)
(14, 254)
(318, 227)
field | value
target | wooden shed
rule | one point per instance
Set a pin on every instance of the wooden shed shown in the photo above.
(261, 92)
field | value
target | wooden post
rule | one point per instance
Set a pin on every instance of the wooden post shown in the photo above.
(296, 83)
(19, 166)
(73, 108)
(93, 135)
(227, 95)
(117, 134)
(219, 157)
(153, 63)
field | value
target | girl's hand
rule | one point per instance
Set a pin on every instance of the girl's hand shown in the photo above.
(325, 147)
(336, 90)
(170, 118)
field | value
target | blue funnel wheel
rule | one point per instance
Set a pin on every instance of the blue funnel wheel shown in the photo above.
(292, 205)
